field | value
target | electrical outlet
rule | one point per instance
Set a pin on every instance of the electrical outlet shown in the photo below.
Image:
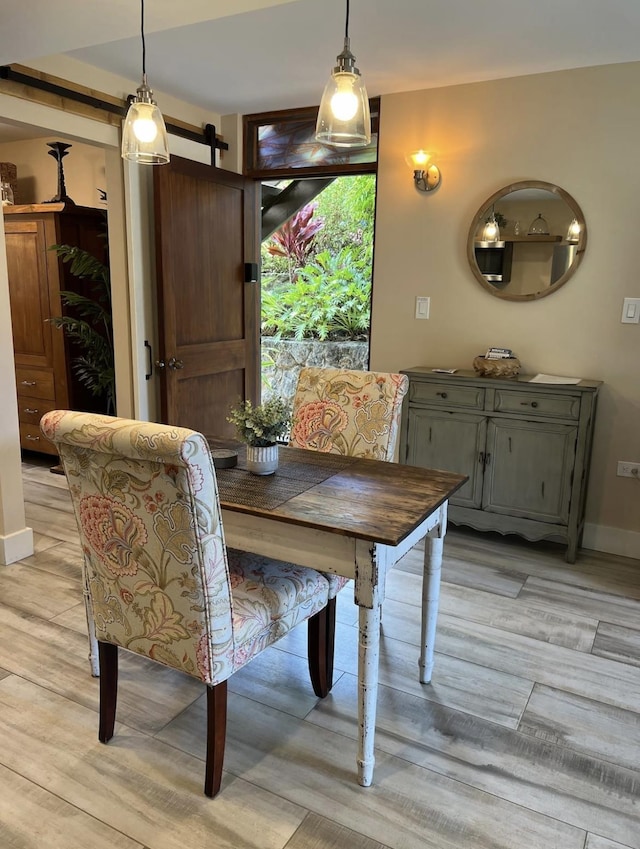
(628, 470)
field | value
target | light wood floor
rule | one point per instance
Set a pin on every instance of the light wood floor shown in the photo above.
(528, 737)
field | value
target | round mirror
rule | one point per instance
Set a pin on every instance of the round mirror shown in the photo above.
(526, 241)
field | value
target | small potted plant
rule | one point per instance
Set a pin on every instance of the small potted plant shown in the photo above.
(260, 427)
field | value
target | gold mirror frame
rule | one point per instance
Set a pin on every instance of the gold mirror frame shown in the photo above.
(500, 289)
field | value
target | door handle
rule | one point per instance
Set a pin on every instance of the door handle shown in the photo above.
(160, 364)
(175, 364)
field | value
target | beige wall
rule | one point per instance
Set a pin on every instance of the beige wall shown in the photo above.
(578, 129)
(84, 171)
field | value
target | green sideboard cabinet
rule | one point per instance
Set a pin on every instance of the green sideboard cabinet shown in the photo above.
(524, 446)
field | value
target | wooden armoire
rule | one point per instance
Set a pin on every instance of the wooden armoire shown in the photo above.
(43, 355)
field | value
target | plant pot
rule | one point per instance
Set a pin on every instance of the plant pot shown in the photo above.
(262, 460)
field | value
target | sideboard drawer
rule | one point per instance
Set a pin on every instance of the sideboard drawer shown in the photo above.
(539, 404)
(37, 383)
(446, 395)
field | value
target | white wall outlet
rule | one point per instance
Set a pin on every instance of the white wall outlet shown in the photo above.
(631, 311)
(422, 307)
(628, 470)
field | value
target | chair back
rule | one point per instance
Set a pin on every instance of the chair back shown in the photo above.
(344, 411)
(146, 504)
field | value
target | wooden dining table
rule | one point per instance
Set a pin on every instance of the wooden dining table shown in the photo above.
(353, 517)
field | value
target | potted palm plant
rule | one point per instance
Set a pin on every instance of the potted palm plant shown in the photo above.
(260, 427)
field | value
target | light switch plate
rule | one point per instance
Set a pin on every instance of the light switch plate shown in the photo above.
(422, 307)
(631, 311)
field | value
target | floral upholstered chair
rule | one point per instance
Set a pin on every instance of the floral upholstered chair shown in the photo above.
(159, 578)
(355, 413)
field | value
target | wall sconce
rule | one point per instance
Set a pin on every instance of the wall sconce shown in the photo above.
(573, 233)
(425, 177)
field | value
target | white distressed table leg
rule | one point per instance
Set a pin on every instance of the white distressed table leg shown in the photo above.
(94, 660)
(431, 595)
(368, 659)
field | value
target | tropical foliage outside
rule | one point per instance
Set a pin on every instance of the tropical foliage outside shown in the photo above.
(316, 270)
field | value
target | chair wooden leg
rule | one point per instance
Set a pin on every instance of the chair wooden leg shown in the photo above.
(108, 656)
(216, 735)
(320, 648)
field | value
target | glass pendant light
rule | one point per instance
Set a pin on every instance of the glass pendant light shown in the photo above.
(343, 117)
(144, 138)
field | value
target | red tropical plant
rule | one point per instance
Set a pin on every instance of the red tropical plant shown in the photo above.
(293, 239)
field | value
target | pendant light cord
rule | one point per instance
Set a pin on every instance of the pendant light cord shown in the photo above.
(346, 25)
(144, 48)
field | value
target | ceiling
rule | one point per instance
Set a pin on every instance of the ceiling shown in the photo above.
(248, 56)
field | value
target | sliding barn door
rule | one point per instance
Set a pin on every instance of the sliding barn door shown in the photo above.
(209, 332)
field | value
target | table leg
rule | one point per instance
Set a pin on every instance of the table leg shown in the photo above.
(368, 660)
(94, 660)
(430, 597)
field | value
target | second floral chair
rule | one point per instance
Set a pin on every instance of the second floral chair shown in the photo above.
(349, 412)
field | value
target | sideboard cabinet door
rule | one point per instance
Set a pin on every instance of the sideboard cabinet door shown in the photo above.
(453, 442)
(528, 467)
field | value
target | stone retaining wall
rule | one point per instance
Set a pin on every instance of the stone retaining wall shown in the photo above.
(282, 360)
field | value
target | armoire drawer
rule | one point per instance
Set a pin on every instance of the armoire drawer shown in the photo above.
(554, 405)
(468, 397)
(36, 383)
(31, 410)
(32, 439)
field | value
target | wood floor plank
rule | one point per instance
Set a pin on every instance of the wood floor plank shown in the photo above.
(408, 807)
(536, 774)
(617, 643)
(135, 784)
(36, 591)
(596, 842)
(563, 628)
(594, 569)
(576, 672)
(51, 522)
(149, 694)
(459, 684)
(583, 725)
(64, 559)
(490, 576)
(320, 833)
(558, 596)
(33, 818)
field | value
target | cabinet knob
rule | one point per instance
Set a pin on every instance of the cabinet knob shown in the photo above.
(32, 438)
(533, 404)
(28, 383)
(31, 411)
(441, 394)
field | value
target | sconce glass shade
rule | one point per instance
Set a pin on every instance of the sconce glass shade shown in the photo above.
(344, 119)
(573, 233)
(425, 176)
(491, 231)
(144, 137)
(539, 226)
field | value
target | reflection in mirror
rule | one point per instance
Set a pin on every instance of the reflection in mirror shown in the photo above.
(540, 239)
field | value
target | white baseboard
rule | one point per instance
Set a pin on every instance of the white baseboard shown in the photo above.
(612, 540)
(16, 546)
